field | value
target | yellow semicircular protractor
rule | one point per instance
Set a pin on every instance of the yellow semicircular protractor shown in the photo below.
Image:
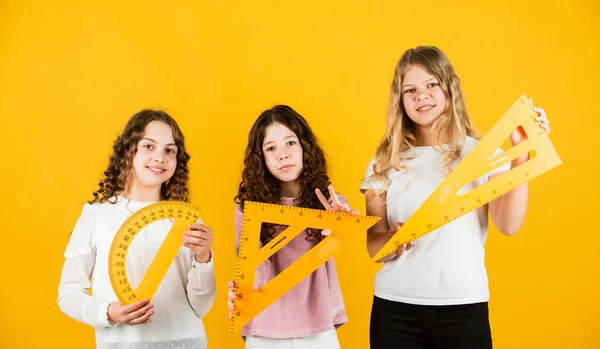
(182, 214)
(345, 228)
(447, 202)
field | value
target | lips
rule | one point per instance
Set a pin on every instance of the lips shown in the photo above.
(156, 170)
(425, 107)
(285, 167)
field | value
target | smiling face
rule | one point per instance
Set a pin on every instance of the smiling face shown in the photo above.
(155, 160)
(283, 154)
(422, 97)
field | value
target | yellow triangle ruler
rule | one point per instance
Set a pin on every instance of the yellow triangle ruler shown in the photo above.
(182, 214)
(445, 204)
(344, 227)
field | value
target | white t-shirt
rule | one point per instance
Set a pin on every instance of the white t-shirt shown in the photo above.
(446, 266)
(185, 294)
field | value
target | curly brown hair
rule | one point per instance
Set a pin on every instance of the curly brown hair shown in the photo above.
(116, 176)
(258, 184)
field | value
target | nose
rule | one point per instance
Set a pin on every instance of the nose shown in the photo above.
(158, 157)
(422, 95)
(282, 155)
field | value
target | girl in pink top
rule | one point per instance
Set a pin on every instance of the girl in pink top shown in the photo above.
(284, 164)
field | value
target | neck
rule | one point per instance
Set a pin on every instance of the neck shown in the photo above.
(143, 194)
(426, 137)
(290, 189)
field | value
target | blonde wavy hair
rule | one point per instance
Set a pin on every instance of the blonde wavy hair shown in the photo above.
(453, 125)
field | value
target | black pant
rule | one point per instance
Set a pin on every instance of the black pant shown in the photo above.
(397, 325)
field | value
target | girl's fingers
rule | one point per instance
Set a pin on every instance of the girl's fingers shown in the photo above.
(325, 232)
(197, 234)
(191, 242)
(394, 228)
(199, 227)
(401, 250)
(144, 319)
(334, 198)
(231, 294)
(135, 306)
(405, 247)
(140, 312)
(194, 241)
(323, 200)
(540, 111)
(545, 126)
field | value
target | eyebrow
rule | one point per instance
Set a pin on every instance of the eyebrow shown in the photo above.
(431, 78)
(269, 142)
(153, 141)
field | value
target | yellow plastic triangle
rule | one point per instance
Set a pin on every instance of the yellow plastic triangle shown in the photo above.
(445, 204)
(182, 213)
(344, 227)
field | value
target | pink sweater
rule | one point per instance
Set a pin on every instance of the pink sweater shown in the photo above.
(313, 306)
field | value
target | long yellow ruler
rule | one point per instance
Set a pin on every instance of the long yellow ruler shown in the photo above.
(344, 227)
(182, 214)
(445, 204)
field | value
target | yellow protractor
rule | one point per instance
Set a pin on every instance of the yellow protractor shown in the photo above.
(445, 204)
(182, 214)
(345, 229)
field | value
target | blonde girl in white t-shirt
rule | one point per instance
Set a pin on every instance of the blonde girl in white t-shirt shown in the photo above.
(432, 293)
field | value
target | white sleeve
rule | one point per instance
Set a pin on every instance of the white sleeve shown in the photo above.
(201, 289)
(369, 182)
(201, 284)
(80, 258)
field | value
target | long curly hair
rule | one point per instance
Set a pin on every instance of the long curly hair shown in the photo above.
(117, 176)
(453, 125)
(258, 184)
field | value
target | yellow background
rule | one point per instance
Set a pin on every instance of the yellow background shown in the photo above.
(72, 73)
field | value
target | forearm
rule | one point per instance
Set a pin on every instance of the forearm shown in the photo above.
(379, 234)
(376, 241)
(73, 298)
(82, 307)
(508, 211)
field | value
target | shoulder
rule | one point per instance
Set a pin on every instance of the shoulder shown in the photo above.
(88, 213)
(469, 144)
(238, 212)
(369, 182)
(238, 207)
(370, 165)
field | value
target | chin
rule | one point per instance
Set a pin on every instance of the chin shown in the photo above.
(287, 179)
(154, 183)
